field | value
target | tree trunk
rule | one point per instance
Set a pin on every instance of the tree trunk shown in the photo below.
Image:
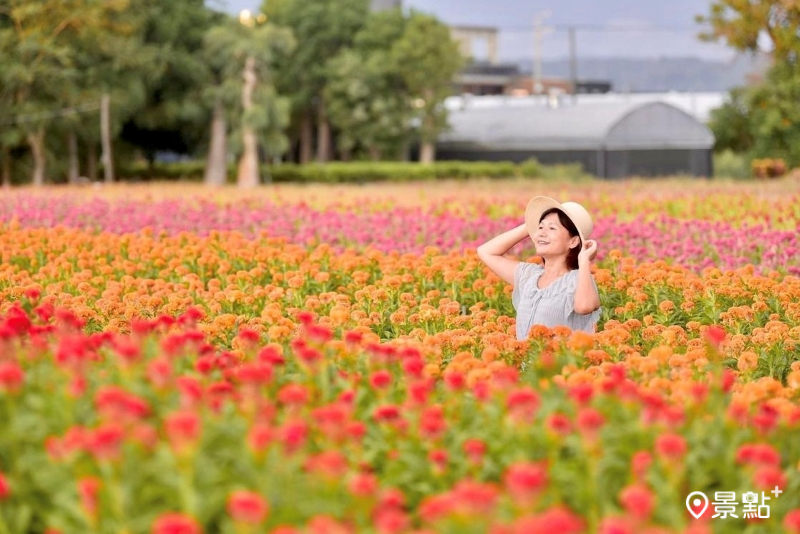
(91, 161)
(216, 163)
(6, 168)
(306, 138)
(248, 164)
(427, 153)
(73, 169)
(36, 141)
(105, 132)
(427, 149)
(323, 133)
(374, 153)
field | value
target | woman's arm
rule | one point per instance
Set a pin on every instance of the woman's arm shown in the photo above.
(492, 252)
(586, 298)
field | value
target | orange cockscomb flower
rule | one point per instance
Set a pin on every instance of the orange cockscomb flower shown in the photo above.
(747, 361)
(580, 341)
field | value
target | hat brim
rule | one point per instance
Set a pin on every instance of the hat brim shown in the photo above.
(537, 206)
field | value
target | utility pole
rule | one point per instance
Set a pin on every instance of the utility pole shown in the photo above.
(539, 31)
(573, 63)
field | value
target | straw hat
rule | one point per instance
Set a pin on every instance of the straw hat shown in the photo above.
(576, 213)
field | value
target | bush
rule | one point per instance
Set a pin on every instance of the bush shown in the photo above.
(181, 170)
(361, 171)
(531, 168)
(768, 168)
(565, 171)
(348, 172)
(729, 164)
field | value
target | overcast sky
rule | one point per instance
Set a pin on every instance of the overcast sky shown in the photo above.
(672, 29)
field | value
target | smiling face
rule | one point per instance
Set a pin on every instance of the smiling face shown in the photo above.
(552, 239)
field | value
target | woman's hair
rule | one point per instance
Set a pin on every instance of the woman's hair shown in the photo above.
(566, 222)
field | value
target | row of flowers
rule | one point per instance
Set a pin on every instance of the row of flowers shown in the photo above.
(450, 303)
(222, 371)
(158, 431)
(724, 229)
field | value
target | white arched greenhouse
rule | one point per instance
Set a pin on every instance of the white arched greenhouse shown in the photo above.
(610, 140)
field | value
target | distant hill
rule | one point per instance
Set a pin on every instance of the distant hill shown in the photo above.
(659, 74)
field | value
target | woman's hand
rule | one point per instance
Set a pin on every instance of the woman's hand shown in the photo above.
(588, 252)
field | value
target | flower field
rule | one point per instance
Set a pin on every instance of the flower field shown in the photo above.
(336, 359)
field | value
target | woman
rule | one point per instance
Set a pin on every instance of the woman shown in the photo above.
(562, 291)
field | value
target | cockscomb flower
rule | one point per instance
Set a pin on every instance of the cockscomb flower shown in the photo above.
(758, 454)
(671, 447)
(5, 487)
(11, 376)
(381, 379)
(638, 501)
(88, 491)
(715, 335)
(247, 507)
(525, 480)
(176, 523)
(183, 430)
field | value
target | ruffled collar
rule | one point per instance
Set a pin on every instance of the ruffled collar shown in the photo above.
(531, 289)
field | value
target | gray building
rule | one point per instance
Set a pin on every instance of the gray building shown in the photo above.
(610, 140)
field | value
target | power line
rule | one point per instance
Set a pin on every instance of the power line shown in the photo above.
(608, 28)
(52, 114)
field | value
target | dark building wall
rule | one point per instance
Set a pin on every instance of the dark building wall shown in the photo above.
(623, 163)
(604, 164)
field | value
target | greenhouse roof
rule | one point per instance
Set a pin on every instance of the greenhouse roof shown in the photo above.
(582, 126)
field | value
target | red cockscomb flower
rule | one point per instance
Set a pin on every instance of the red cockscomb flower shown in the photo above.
(175, 523)
(247, 507)
(671, 447)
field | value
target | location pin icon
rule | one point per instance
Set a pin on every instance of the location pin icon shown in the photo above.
(695, 501)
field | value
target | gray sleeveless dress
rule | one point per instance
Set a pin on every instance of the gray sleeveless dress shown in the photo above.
(551, 306)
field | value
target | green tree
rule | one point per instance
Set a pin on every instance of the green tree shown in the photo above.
(10, 135)
(428, 59)
(754, 25)
(114, 65)
(762, 119)
(165, 111)
(775, 115)
(220, 95)
(367, 101)
(731, 123)
(40, 62)
(49, 50)
(241, 55)
(323, 29)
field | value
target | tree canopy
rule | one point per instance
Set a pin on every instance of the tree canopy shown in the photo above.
(333, 80)
(763, 119)
(756, 25)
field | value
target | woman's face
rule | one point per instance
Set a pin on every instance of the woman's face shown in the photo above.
(552, 239)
